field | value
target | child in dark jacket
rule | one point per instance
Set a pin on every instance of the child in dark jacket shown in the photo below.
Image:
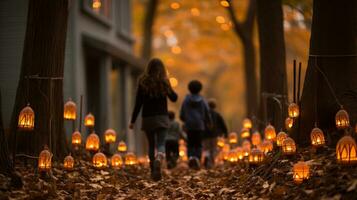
(174, 134)
(195, 115)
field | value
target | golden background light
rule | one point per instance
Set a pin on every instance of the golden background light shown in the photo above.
(280, 138)
(176, 50)
(100, 161)
(110, 136)
(96, 4)
(92, 143)
(175, 5)
(70, 110)
(346, 150)
(220, 19)
(122, 147)
(224, 3)
(301, 172)
(116, 161)
(317, 137)
(195, 12)
(26, 119)
(89, 120)
(342, 119)
(173, 82)
(45, 160)
(289, 146)
(293, 110)
(68, 162)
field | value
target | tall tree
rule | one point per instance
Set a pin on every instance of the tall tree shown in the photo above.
(332, 59)
(151, 9)
(272, 60)
(244, 30)
(43, 61)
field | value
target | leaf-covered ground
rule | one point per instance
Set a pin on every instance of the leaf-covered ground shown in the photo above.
(272, 180)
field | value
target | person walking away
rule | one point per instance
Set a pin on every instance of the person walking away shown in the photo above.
(173, 136)
(195, 115)
(218, 128)
(153, 90)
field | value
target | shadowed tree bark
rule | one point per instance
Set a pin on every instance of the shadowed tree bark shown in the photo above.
(43, 57)
(148, 25)
(272, 58)
(333, 50)
(244, 30)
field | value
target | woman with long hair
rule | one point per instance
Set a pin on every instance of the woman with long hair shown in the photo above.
(153, 90)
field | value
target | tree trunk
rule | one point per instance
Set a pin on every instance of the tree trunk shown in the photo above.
(272, 59)
(43, 61)
(333, 50)
(148, 26)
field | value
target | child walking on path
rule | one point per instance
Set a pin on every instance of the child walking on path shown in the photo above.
(173, 136)
(153, 90)
(195, 115)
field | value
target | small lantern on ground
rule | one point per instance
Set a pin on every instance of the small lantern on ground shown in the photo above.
(240, 153)
(246, 151)
(220, 142)
(70, 110)
(89, 120)
(246, 144)
(256, 156)
(293, 110)
(247, 123)
(26, 119)
(244, 133)
(232, 156)
(256, 138)
(130, 159)
(270, 133)
(225, 150)
(342, 119)
(100, 161)
(346, 150)
(110, 136)
(68, 162)
(317, 137)
(301, 172)
(289, 147)
(280, 138)
(233, 138)
(116, 161)
(266, 146)
(76, 139)
(289, 122)
(122, 148)
(92, 143)
(183, 152)
(45, 160)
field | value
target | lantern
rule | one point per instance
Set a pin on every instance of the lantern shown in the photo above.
(317, 137)
(182, 150)
(280, 138)
(96, 4)
(100, 161)
(92, 143)
(26, 119)
(76, 139)
(289, 122)
(232, 156)
(266, 146)
(233, 138)
(346, 150)
(342, 119)
(240, 153)
(110, 136)
(293, 110)
(256, 156)
(256, 138)
(130, 159)
(246, 151)
(289, 146)
(301, 172)
(68, 162)
(122, 147)
(89, 120)
(246, 144)
(270, 133)
(116, 161)
(220, 142)
(244, 133)
(225, 150)
(247, 123)
(70, 110)
(45, 160)
(144, 160)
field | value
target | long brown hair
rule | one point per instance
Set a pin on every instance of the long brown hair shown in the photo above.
(154, 81)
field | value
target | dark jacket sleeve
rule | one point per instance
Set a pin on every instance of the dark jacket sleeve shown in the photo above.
(183, 110)
(139, 100)
(222, 125)
(172, 95)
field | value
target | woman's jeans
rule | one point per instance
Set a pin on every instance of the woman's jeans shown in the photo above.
(156, 140)
(194, 144)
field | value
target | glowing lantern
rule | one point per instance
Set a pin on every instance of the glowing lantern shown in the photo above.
(76, 139)
(116, 161)
(45, 160)
(256, 138)
(256, 156)
(246, 151)
(244, 133)
(96, 4)
(122, 147)
(70, 110)
(280, 138)
(68, 162)
(182, 150)
(92, 143)
(26, 119)
(240, 153)
(220, 142)
(289, 122)
(289, 146)
(175, 5)
(224, 3)
(110, 136)
(293, 110)
(130, 159)
(342, 119)
(232, 156)
(270, 133)
(225, 150)
(144, 160)
(301, 172)
(246, 144)
(346, 150)
(89, 120)
(100, 160)
(247, 123)
(266, 146)
(317, 137)
(233, 138)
